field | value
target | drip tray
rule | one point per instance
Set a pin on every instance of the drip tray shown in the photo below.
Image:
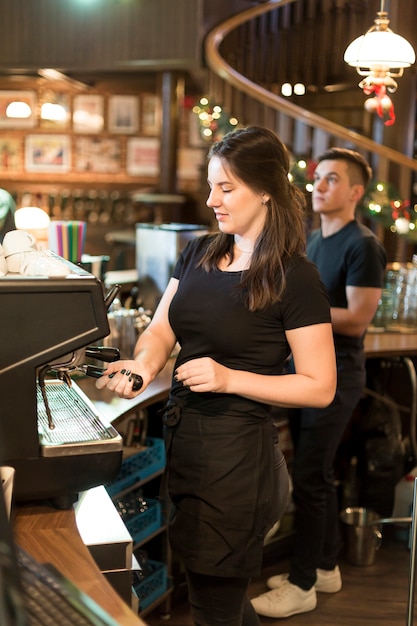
(79, 429)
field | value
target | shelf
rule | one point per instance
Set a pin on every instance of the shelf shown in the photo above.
(138, 466)
(158, 602)
(160, 530)
(140, 483)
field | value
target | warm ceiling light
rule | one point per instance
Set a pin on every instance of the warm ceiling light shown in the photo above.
(299, 89)
(380, 55)
(18, 110)
(380, 48)
(53, 112)
(31, 217)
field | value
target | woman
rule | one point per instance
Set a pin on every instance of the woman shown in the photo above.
(239, 302)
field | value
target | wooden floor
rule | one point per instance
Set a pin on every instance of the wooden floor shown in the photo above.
(372, 595)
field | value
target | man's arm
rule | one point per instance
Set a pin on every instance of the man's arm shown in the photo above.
(362, 305)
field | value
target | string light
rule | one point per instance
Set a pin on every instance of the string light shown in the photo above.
(214, 121)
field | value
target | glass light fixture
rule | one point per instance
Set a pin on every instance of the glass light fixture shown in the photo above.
(380, 48)
(299, 89)
(34, 220)
(53, 112)
(18, 110)
(380, 56)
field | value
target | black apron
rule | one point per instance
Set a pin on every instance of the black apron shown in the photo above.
(228, 484)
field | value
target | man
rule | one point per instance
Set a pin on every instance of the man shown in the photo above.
(351, 262)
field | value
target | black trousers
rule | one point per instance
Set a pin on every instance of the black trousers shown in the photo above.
(316, 434)
(216, 601)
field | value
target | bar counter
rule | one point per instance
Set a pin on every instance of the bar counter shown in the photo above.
(388, 344)
(51, 536)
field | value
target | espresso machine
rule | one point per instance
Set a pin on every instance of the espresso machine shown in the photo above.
(49, 430)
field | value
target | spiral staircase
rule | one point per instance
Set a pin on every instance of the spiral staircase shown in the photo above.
(252, 53)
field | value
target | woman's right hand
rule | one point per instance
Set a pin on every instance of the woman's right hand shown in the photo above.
(118, 378)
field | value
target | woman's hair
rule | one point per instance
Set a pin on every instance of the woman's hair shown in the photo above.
(258, 158)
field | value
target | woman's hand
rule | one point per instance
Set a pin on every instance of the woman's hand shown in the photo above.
(203, 374)
(119, 378)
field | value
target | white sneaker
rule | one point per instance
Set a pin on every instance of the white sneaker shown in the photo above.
(328, 581)
(287, 600)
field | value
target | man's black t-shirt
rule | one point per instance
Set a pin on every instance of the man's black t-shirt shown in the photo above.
(354, 257)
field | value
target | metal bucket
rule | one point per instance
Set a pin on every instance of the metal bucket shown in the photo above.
(96, 265)
(361, 536)
(125, 327)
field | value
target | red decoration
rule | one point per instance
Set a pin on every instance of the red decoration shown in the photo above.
(400, 210)
(381, 103)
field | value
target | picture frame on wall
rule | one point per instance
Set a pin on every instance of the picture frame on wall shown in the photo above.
(190, 163)
(25, 96)
(142, 156)
(151, 115)
(96, 154)
(11, 154)
(88, 113)
(123, 114)
(48, 153)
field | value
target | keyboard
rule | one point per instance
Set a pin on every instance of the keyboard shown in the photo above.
(50, 599)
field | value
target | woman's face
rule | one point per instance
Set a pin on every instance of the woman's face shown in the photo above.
(238, 209)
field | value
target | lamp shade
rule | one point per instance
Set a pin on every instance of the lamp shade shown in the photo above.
(31, 218)
(19, 110)
(380, 48)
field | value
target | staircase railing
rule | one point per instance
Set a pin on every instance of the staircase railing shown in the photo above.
(264, 106)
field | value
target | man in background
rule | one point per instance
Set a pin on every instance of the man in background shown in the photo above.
(351, 261)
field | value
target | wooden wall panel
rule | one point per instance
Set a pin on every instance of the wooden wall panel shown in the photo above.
(105, 34)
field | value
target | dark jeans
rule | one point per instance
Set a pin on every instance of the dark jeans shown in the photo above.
(220, 601)
(316, 436)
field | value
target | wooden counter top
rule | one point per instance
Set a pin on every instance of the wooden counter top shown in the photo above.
(387, 344)
(51, 536)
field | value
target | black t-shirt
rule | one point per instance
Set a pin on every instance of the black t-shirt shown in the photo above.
(209, 317)
(354, 257)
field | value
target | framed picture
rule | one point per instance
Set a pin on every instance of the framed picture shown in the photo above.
(48, 153)
(27, 98)
(10, 154)
(88, 114)
(123, 114)
(94, 154)
(151, 114)
(190, 162)
(142, 156)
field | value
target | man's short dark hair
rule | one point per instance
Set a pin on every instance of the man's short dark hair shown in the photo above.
(352, 157)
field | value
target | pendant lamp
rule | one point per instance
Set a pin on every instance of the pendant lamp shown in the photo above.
(380, 56)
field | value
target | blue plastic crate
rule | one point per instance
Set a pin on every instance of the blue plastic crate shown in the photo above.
(144, 524)
(153, 586)
(139, 466)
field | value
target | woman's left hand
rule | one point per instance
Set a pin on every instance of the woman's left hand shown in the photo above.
(203, 374)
